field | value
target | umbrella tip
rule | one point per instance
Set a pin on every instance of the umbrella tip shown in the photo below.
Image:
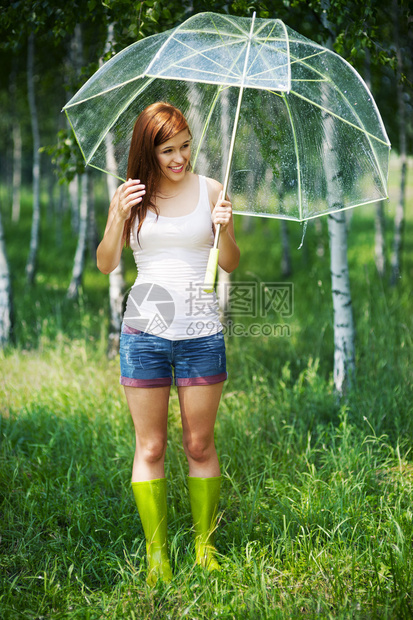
(304, 231)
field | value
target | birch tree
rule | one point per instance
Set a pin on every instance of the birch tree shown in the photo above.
(116, 290)
(344, 335)
(79, 261)
(116, 277)
(80, 214)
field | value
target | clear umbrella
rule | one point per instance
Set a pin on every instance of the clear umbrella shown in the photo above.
(288, 126)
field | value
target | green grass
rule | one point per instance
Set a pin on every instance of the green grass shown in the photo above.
(316, 509)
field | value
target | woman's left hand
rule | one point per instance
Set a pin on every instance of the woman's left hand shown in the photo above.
(222, 212)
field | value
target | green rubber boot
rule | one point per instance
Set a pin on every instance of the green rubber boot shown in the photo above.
(204, 498)
(150, 499)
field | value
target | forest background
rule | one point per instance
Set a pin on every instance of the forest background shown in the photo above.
(316, 513)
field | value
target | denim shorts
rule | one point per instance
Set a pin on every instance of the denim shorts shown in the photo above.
(147, 360)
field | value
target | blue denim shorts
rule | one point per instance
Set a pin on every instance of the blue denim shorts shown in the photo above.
(147, 360)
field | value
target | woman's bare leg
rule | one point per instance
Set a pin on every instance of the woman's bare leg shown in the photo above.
(199, 406)
(149, 411)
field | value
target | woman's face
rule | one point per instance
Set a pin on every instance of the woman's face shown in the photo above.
(173, 155)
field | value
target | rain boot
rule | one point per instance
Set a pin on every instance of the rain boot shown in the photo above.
(150, 497)
(204, 498)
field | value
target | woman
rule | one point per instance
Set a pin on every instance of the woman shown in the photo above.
(167, 215)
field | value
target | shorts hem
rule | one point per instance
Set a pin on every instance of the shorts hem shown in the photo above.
(210, 380)
(146, 383)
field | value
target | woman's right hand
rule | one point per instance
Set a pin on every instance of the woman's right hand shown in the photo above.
(109, 250)
(129, 194)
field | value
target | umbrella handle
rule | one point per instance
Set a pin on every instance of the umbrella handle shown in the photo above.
(212, 266)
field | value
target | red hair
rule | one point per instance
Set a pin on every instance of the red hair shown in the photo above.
(157, 123)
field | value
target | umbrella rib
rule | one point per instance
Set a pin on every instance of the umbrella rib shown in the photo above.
(318, 105)
(238, 26)
(243, 34)
(238, 37)
(160, 50)
(361, 129)
(203, 72)
(216, 31)
(237, 112)
(297, 155)
(212, 108)
(297, 60)
(219, 90)
(368, 135)
(371, 98)
(104, 92)
(262, 45)
(290, 62)
(106, 172)
(289, 218)
(129, 100)
(359, 204)
(198, 53)
(230, 70)
(74, 133)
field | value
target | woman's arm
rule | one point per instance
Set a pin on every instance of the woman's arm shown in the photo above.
(110, 248)
(229, 252)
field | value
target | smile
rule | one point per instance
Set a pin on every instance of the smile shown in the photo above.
(176, 168)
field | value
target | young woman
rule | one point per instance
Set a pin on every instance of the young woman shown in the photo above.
(167, 215)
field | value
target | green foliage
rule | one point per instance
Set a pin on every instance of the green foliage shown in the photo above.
(65, 156)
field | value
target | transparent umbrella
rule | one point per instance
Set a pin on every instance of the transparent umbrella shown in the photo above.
(288, 126)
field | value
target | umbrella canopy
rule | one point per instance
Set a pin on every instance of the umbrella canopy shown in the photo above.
(282, 119)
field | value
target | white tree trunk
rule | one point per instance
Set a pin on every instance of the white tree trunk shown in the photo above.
(79, 261)
(116, 281)
(116, 293)
(5, 293)
(116, 277)
(34, 237)
(344, 337)
(344, 363)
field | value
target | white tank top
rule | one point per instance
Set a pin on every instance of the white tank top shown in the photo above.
(171, 256)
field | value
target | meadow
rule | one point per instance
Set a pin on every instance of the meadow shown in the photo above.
(317, 498)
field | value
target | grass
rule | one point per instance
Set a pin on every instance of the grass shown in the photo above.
(316, 509)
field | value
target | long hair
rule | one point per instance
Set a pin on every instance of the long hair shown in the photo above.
(157, 123)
